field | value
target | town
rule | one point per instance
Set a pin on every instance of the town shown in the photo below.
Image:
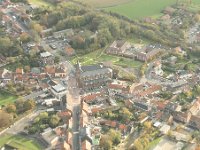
(75, 79)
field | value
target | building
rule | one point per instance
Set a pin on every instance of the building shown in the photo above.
(46, 59)
(93, 76)
(5, 76)
(63, 33)
(194, 122)
(58, 90)
(147, 53)
(118, 47)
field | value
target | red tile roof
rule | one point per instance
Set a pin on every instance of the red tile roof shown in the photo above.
(50, 69)
(95, 110)
(91, 97)
(111, 123)
(122, 127)
(19, 71)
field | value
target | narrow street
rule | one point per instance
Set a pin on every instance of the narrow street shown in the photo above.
(75, 129)
(73, 103)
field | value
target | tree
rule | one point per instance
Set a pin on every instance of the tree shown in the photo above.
(125, 114)
(43, 115)
(57, 59)
(138, 145)
(115, 136)
(29, 104)
(105, 142)
(5, 119)
(24, 37)
(20, 105)
(37, 27)
(54, 120)
(11, 108)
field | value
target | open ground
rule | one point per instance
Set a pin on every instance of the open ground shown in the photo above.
(19, 142)
(6, 98)
(136, 9)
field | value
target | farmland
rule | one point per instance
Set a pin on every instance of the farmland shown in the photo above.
(136, 9)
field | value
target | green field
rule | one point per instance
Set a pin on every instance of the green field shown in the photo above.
(99, 57)
(142, 8)
(40, 3)
(6, 98)
(135, 9)
(19, 142)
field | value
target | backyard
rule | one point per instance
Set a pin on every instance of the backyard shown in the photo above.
(6, 98)
(19, 142)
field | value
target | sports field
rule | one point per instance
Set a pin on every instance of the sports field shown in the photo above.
(19, 142)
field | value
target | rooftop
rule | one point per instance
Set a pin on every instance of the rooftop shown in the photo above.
(59, 88)
(45, 54)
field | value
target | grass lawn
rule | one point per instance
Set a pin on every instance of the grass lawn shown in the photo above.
(153, 144)
(20, 142)
(99, 56)
(142, 8)
(135, 9)
(40, 3)
(6, 98)
(104, 3)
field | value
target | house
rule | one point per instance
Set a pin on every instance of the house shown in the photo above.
(165, 129)
(86, 145)
(90, 98)
(118, 47)
(129, 103)
(172, 60)
(118, 88)
(169, 10)
(67, 33)
(157, 68)
(58, 90)
(145, 89)
(182, 117)
(19, 74)
(195, 108)
(92, 76)
(49, 137)
(46, 58)
(194, 122)
(147, 53)
(123, 128)
(142, 104)
(179, 51)
(5, 77)
(50, 71)
(60, 72)
(110, 123)
(70, 51)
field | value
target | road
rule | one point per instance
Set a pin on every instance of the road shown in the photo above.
(33, 95)
(75, 128)
(73, 103)
(19, 125)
